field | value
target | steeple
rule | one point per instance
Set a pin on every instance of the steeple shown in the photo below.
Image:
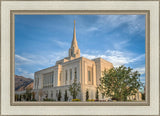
(74, 41)
(74, 51)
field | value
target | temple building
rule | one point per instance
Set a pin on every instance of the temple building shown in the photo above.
(48, 82)
(87, 72)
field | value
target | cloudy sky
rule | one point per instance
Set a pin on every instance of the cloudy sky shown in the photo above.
(41, 40)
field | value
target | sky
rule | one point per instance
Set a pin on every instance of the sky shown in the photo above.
(41, 40)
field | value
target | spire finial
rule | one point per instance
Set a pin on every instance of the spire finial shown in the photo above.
(74, 41)
(74, 51)
(74, 33)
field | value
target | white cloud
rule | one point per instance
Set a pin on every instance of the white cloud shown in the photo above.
(116, 57)
(120, 45)
(37, 60)
(21, 60)
(134, 22)
(88, 56)
(61, 43)
(25, 73)
(120, 58)
(92, 29)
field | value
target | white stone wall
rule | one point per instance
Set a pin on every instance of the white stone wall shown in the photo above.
(66, 67)
(82, 65)
(101, 65)
(47, 92)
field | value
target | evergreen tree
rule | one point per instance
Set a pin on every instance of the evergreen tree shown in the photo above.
(65, 96)
(59, 96)
(87, 95)
(97, 94)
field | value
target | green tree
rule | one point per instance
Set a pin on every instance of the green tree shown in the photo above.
(87, 95)
(59, 96)
(97, 94)
(120, 82)
(65, 96)
(74, 89)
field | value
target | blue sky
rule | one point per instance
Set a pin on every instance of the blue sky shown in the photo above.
(41, 40)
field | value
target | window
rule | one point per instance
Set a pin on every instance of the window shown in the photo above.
(66, 75)
(75, 73)
(60, 76)
(52, 77)
(89, 75)
(70, 74)
(48, 80)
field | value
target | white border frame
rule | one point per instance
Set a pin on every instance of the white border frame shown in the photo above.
(152, 6)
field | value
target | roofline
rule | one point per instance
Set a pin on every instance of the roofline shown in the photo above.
(46, 68)
(101, 59)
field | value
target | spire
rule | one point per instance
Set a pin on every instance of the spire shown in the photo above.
(74, 51)
(74, 41)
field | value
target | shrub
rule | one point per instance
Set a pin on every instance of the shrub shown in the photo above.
(48, 99)
(76, 100)
(91, 100)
